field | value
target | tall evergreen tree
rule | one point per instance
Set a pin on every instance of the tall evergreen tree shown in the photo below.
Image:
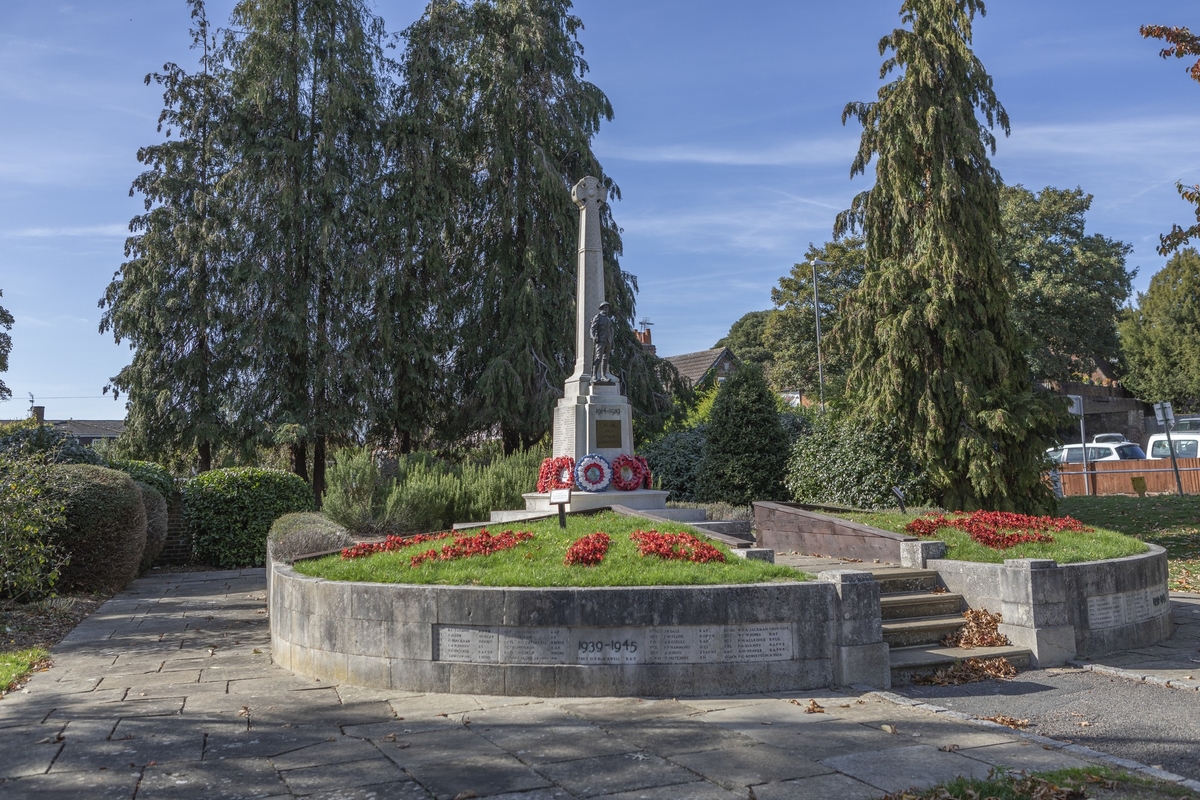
(527, 137)
(934, 347)
(168, 299)
(6, 323)
(1161, 337)
(308, 99)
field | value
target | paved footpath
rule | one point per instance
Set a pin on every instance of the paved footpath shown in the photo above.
(168, 690)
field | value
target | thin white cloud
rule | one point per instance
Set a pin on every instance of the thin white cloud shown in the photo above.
(116, 229)
(1142, 139)
(803, 153)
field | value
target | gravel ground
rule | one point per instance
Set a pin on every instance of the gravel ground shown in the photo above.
(1155, 725)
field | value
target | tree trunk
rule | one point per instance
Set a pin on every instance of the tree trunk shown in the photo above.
(300, 460)
(205, 456)
(318, 482)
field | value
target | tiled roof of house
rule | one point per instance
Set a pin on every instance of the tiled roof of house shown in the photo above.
(86, 428)
(694, 366)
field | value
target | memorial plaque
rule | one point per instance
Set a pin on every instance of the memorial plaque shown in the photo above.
(608, 434)
(1126, 608)
(684, 644)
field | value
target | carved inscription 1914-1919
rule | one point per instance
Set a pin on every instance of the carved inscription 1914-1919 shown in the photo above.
(684, 644)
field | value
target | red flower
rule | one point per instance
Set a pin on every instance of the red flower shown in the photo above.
(588, 550)
(556, 473)
(390, 544)
(676, 546)
(998, 530)
(627, 473)
(465, 546)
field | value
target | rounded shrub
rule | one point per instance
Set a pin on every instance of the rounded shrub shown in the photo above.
(103, 529)
(30, 560)
(849, 462)
(156, 524)
(302, 533)
(230, 511)
(28, 438)
(675, 461)
(149, 473)
(745, 447)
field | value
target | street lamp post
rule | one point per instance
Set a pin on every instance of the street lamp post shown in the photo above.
(816, 262)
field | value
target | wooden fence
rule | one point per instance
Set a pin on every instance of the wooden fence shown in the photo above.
(1115, 477)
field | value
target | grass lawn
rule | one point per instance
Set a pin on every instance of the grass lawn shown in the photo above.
(1068, 547)
(539, 561)
(1101, 783)
(1167, 520)
(16, 665)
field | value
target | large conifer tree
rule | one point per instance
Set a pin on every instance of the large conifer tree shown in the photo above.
(933, 346)
(306, 88)
(169, 299)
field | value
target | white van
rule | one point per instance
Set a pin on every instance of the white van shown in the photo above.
(1187, 445)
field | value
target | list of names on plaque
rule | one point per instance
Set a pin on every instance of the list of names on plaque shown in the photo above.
(1126, 608)
(682, 644)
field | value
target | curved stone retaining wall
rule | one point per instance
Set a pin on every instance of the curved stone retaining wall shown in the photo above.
(665, 641)
(1060, 611)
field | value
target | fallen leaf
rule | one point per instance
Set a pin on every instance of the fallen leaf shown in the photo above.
(467, 795)
(888, 728)
(1009, 722)
(969, 671)
(948, 748)
(1085, 724)
(813, 708)
(245, 712)
(391, 737)
(844, 705)
(257, 652)
(402, 745)
(981, 630)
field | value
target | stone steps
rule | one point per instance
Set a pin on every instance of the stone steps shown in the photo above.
(916, 618)
(908, 662)
(906, 605)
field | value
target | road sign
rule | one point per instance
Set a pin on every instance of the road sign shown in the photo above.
(1164, 414)
(1076, 404)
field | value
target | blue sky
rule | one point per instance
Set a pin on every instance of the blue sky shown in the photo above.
(727, 145)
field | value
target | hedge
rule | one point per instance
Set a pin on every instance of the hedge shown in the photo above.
(30, 560)
(104, 526)
(149, 473)
(303, 533)
(230, 511)
(745, 445)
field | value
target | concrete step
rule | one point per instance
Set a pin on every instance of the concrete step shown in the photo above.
(736, 528)
(903, 579)
(925, 631)
(923, 660)
(905, 605)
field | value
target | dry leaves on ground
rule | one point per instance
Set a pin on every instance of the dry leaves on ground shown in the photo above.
(969, 671)
(1008, 722)
(980, 631)
(1021, 785)
(44, 623)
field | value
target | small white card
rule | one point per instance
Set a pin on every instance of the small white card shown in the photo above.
(560, 496)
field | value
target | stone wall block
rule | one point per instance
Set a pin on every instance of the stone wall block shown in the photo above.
(369, 671)
(863, 664)
(531, 681)
(915, 555)
(421, 676)
(332, 597)
(612, 607)
(541, 607)
(473, 605)
(857, 611)
(413, 603)
(367, 637)
(593, 681)
(369, 601)
(410, 640)
(477, 679)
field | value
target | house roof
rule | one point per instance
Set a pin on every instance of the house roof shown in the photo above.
(86, 428)
(694, 366)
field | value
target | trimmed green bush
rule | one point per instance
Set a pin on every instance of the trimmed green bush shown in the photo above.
(674, 461)
(304, 533)
(745, 447)
(355, 490)
(104, 526)
(156, 524)
(848, 462)
(147, 472)
(230, 511)
(29, 559)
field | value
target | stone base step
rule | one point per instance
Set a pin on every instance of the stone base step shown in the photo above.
(906, 605)
(924, 660)
(925, 631)
(904, 579)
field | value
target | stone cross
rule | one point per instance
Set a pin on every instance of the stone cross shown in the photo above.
(588, 194)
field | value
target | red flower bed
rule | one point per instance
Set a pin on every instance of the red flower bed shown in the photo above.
(588, 550)
(465, 546)
(556, 473)
(390, 544)
(677, 546)
(998, 530)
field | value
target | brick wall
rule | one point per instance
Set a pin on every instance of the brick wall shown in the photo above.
(178, 548)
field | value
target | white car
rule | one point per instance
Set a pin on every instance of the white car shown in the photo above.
(1187, 444)
(1073, 453)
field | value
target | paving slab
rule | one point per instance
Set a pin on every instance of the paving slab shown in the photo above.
(341, 775)
(483, 774)
(231, 779)
(900, 768)
(618, 773)
(749, 765)
(821, 787)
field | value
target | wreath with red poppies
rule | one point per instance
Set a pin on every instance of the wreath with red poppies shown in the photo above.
(628, 473)
(556, 473)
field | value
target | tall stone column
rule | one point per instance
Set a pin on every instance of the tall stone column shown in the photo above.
(588, 194)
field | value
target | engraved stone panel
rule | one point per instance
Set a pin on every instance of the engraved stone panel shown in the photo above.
(1126, 608)
(608, 434)
(685, 644)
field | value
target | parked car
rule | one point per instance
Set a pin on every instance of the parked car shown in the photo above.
(1187, 444)
(1186, 424)
(1073, 453)
(1109, 438)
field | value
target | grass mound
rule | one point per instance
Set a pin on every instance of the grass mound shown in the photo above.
(16, 666)
(1068, 547)
(539, 561)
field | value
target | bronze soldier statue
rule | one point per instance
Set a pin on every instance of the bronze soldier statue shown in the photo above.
(602, 345)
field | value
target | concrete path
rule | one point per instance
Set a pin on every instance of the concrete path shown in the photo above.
(1140, 704)
(168, 690)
